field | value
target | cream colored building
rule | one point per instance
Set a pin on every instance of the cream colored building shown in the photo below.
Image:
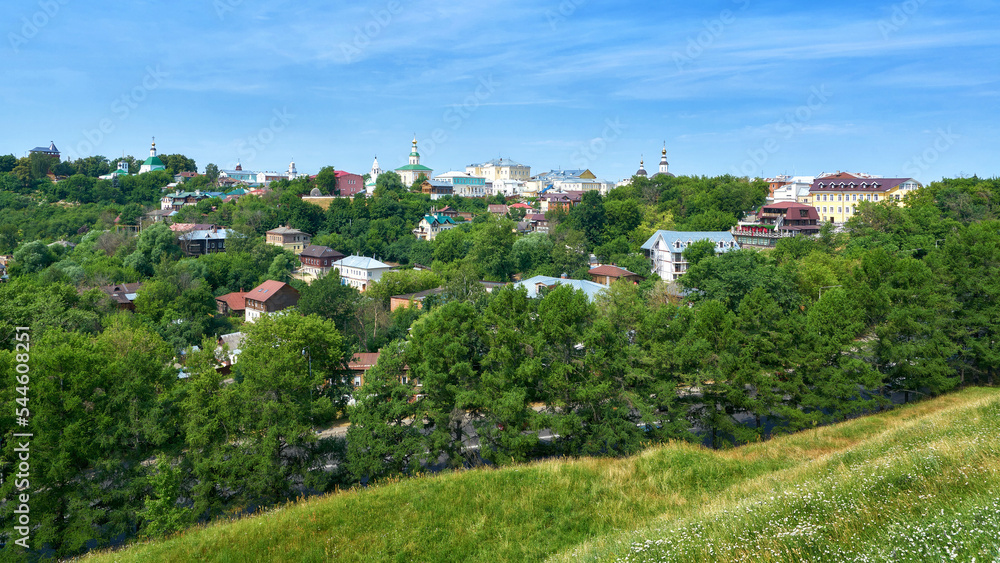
(836, 196)
(500, 169)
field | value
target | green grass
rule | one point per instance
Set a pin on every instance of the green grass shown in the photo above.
(918, 483)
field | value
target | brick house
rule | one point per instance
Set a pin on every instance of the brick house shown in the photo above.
(318, 260)
(269, 297)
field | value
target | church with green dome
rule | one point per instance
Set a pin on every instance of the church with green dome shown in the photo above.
(409, 173)
(153, 162)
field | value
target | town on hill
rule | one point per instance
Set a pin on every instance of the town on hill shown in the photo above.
(190, 344)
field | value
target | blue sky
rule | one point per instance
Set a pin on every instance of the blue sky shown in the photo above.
(756, 88)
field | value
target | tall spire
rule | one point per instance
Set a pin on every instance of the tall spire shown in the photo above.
(664, 166)
(152, 148)
(414, 155)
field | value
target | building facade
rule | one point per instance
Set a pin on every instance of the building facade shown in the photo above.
(288, 238)
(500, 169)
(464, 184)
(432, 225)
(360, 271)
(198, 242)
(152, 163)
(836, 197)
(665, 249)
(413, 169)
(269, 297)
(318, 260)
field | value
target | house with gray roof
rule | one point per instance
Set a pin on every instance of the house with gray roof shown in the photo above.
(665, 249)
(538, 284)
(360, 271)
(50, 150)
(197, 242)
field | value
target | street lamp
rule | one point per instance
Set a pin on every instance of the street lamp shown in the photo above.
(825, 287)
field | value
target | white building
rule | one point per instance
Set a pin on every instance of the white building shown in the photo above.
(372, 178)
(433, 225)
(583, 185)
(795, 189)
(665, 249)
(360, 271)
(153, 162)
(464, 184)
(413, 169)
(500, 169)
(506, 188)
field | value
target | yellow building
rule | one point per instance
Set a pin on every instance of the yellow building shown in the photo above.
(836, 196)
(288, 238)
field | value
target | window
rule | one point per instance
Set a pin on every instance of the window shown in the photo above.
(838, 210)
(876, 197)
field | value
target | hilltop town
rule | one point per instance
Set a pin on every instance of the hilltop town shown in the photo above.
(203, 340)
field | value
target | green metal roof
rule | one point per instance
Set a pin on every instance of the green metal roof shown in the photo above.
(420, 167)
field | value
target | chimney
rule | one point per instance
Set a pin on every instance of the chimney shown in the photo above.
(564, 276)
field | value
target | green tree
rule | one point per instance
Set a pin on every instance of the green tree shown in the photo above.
(697, 251)
(102, 406)
(326, 181)
(491, 248)
(212, 173)
(444, 353)
(832, 379)
(32, 258)
(531, 251)
(291, 380)
(384, 438)
(511, 370)
(564, 315)
(968, 262)
(330, 299)
(176, 163)
(402, 282)
(452, 245)
(914, 343)
(589, 218)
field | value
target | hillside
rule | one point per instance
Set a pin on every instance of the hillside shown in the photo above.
(917, 483)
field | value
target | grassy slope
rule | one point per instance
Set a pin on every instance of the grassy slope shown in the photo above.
(834, 493)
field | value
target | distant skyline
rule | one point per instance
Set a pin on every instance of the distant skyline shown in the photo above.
(742, 87)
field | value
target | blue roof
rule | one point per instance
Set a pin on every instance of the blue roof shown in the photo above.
(361, 262)
(588, 287)
(685, 237)
(206, 234)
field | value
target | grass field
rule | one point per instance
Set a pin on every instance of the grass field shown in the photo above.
(920, 483)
